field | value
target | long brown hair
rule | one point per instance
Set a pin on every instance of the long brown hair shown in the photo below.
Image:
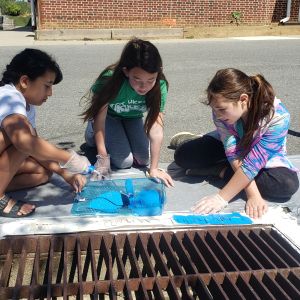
(231, 84)
(136, 53)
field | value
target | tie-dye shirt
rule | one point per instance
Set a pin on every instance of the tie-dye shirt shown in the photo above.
(268, 148)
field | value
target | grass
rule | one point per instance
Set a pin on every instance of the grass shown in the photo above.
(21, 21)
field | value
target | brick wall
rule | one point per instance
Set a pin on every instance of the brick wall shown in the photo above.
(295, 10)
(91, 14)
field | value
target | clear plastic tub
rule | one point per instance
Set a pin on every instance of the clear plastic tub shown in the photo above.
(137, 196)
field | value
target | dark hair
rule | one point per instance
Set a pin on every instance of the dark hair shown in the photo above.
(231, 84)
(33, 63)
(136, 53)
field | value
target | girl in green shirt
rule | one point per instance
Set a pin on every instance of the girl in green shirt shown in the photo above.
(122, 93)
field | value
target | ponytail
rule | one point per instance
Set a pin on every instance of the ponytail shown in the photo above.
(10, 75)
(260, 106)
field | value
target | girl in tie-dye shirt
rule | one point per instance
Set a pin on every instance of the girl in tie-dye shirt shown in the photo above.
(248, 149)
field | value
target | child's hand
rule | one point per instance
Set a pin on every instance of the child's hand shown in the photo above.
(77, 181)
(209, 204)
(102, 167)
(76, 163)
(162, 175)
(256, 207)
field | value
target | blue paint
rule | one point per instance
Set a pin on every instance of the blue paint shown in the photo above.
(137, 196)
(109, 202)
(234, 218)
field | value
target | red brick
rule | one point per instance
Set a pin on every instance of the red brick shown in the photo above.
(170, 13)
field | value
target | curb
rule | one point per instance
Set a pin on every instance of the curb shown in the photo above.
(108, 34)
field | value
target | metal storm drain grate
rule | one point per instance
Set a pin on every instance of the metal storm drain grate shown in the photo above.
(254, 262)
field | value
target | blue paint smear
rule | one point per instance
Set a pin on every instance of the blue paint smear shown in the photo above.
(234, 218)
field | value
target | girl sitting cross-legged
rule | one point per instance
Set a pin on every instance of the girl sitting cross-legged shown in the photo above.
(248, 150)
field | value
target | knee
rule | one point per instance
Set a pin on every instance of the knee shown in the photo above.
(141, 161)
(122, 163)
(291, 186)
(283, 190)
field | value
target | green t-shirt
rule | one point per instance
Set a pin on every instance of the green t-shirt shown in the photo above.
(128, 103)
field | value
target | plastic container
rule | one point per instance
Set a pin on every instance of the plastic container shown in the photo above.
(136, 196)
(89, 170)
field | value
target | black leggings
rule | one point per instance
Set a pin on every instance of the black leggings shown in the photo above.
(277, 184)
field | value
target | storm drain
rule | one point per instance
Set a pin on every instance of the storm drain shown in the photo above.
(254, 262)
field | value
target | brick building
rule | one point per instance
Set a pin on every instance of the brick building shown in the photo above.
(95, 14)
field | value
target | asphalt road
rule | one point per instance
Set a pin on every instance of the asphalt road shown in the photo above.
(188, 64)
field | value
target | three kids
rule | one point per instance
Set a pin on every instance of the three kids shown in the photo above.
(27, 160)
(248, 150)
(121, 95)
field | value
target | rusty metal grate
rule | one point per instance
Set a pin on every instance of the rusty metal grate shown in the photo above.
(253, 262)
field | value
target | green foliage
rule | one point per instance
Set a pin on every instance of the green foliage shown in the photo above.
(25, 8)
(3, 5)
(236, 17)
(14, 8)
